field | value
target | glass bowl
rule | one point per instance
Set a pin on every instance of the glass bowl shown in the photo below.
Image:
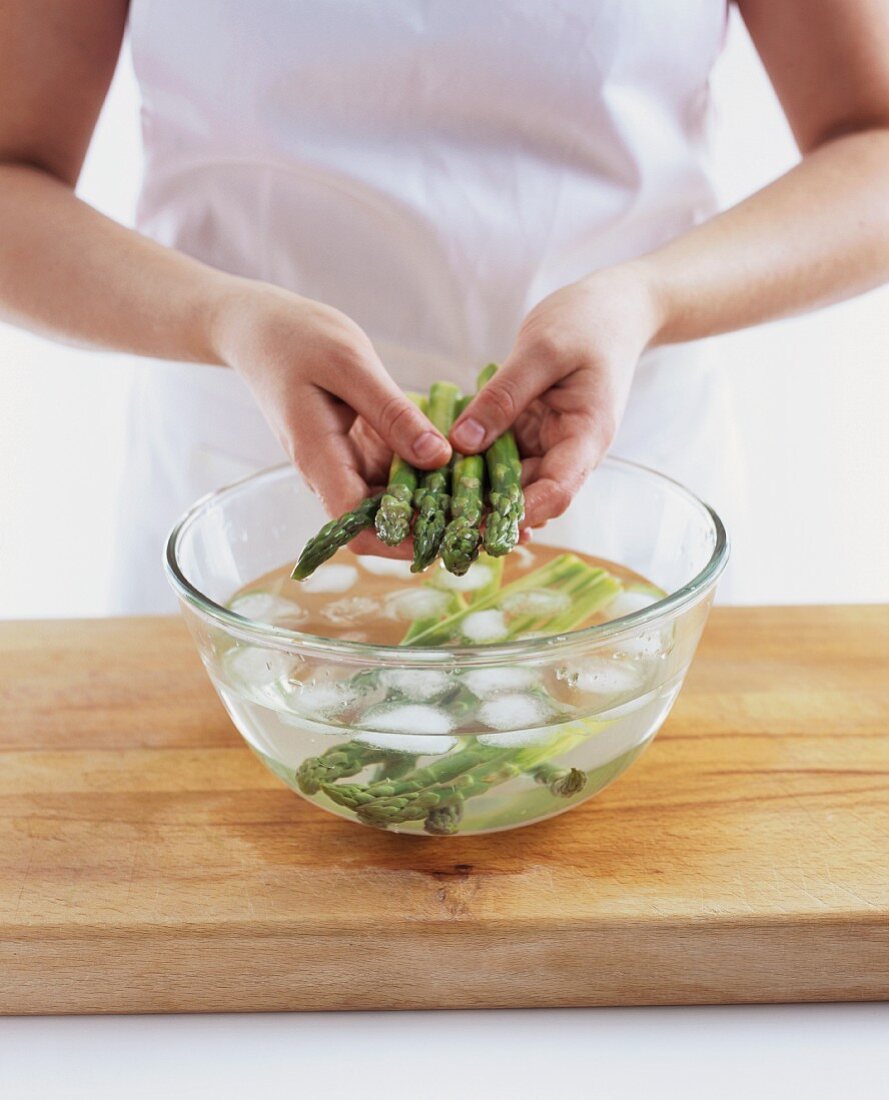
(520, 730)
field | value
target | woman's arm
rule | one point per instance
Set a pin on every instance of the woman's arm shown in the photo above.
(69, 272)
(816, 235)
(821, 232)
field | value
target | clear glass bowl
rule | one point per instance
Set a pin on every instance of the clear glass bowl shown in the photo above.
(607, 688)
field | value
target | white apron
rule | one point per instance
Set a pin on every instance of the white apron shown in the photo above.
(433, 168)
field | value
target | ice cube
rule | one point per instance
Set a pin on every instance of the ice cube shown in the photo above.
(385, 567)
(402, 742)
(330, 578)
(349, 610)
(321, 701)
(477, 576)
(253, 667)
(484, 626)
(628, 601)
(652, 643)
(485, 682)
(537, 602)
(263, 607)
(523, 556)
(602, 676)
(414, 728)
(416, 684)
(514, 712)
(413, 718)
(410, 604)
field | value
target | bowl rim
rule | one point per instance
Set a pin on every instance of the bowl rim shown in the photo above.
(282, 638)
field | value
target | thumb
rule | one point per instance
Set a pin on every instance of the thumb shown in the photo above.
(394, 417)
(499, 404)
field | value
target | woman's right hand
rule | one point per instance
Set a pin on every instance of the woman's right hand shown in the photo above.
(323, 390)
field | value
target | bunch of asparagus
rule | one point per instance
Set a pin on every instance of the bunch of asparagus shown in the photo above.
(400, 791)
(473, 501)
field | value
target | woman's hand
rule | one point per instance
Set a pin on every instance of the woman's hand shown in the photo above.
(323, 390)
(565, 383)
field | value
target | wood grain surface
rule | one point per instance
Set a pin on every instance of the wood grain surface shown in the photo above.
(149, 863)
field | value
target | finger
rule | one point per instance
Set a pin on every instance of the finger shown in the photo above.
(368, 543)
(370, 391)
(559, 476)
(318, 444)
(520, 381)
(530, 469)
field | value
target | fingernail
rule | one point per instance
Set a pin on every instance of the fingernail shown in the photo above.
(470, 433)
(427, 445)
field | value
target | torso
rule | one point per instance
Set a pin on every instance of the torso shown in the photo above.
(431, 168)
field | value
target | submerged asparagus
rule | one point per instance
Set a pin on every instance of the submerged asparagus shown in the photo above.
(393, 520)
(505, 497)
(588, 588)
(436, 794)
(563, 782)
(432, 498)
(333, 535)
(426, 794)
(337, 763)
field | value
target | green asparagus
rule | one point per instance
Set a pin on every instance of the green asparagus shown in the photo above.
(587, 586)
(445, 820)
(337, 763)
(563, 782)
(432, 498)
(333, 535)
(429, 791)
(393, 520)
(462, 537)
(506, 500)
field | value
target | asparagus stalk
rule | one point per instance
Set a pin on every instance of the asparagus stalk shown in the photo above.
(445, 820)
(418, 626)
(432, 498)
(462, 537)
(337, 763)
(587, 595)
(563, 782)
(567, 573)
(333, 535)
(505, 497)
(393, 520)
(428, 792)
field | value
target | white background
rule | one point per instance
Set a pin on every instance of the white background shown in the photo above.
(811, 397)
(815, 1052)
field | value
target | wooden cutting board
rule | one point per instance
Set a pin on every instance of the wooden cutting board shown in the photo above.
(149, 863)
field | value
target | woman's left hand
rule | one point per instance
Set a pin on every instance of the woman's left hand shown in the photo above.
(565, 383)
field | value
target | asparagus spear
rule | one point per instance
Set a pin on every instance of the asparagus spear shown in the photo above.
(428, 792)
(445, 820)
(337, 763)
(431, 498)
(505, 497)
(462, 537)
(393, 520)
(418, 626)
(567, 573)
(333, 535)
(563, 782)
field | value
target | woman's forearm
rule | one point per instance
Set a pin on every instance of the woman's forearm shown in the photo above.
(71, 273)
(817, 235)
